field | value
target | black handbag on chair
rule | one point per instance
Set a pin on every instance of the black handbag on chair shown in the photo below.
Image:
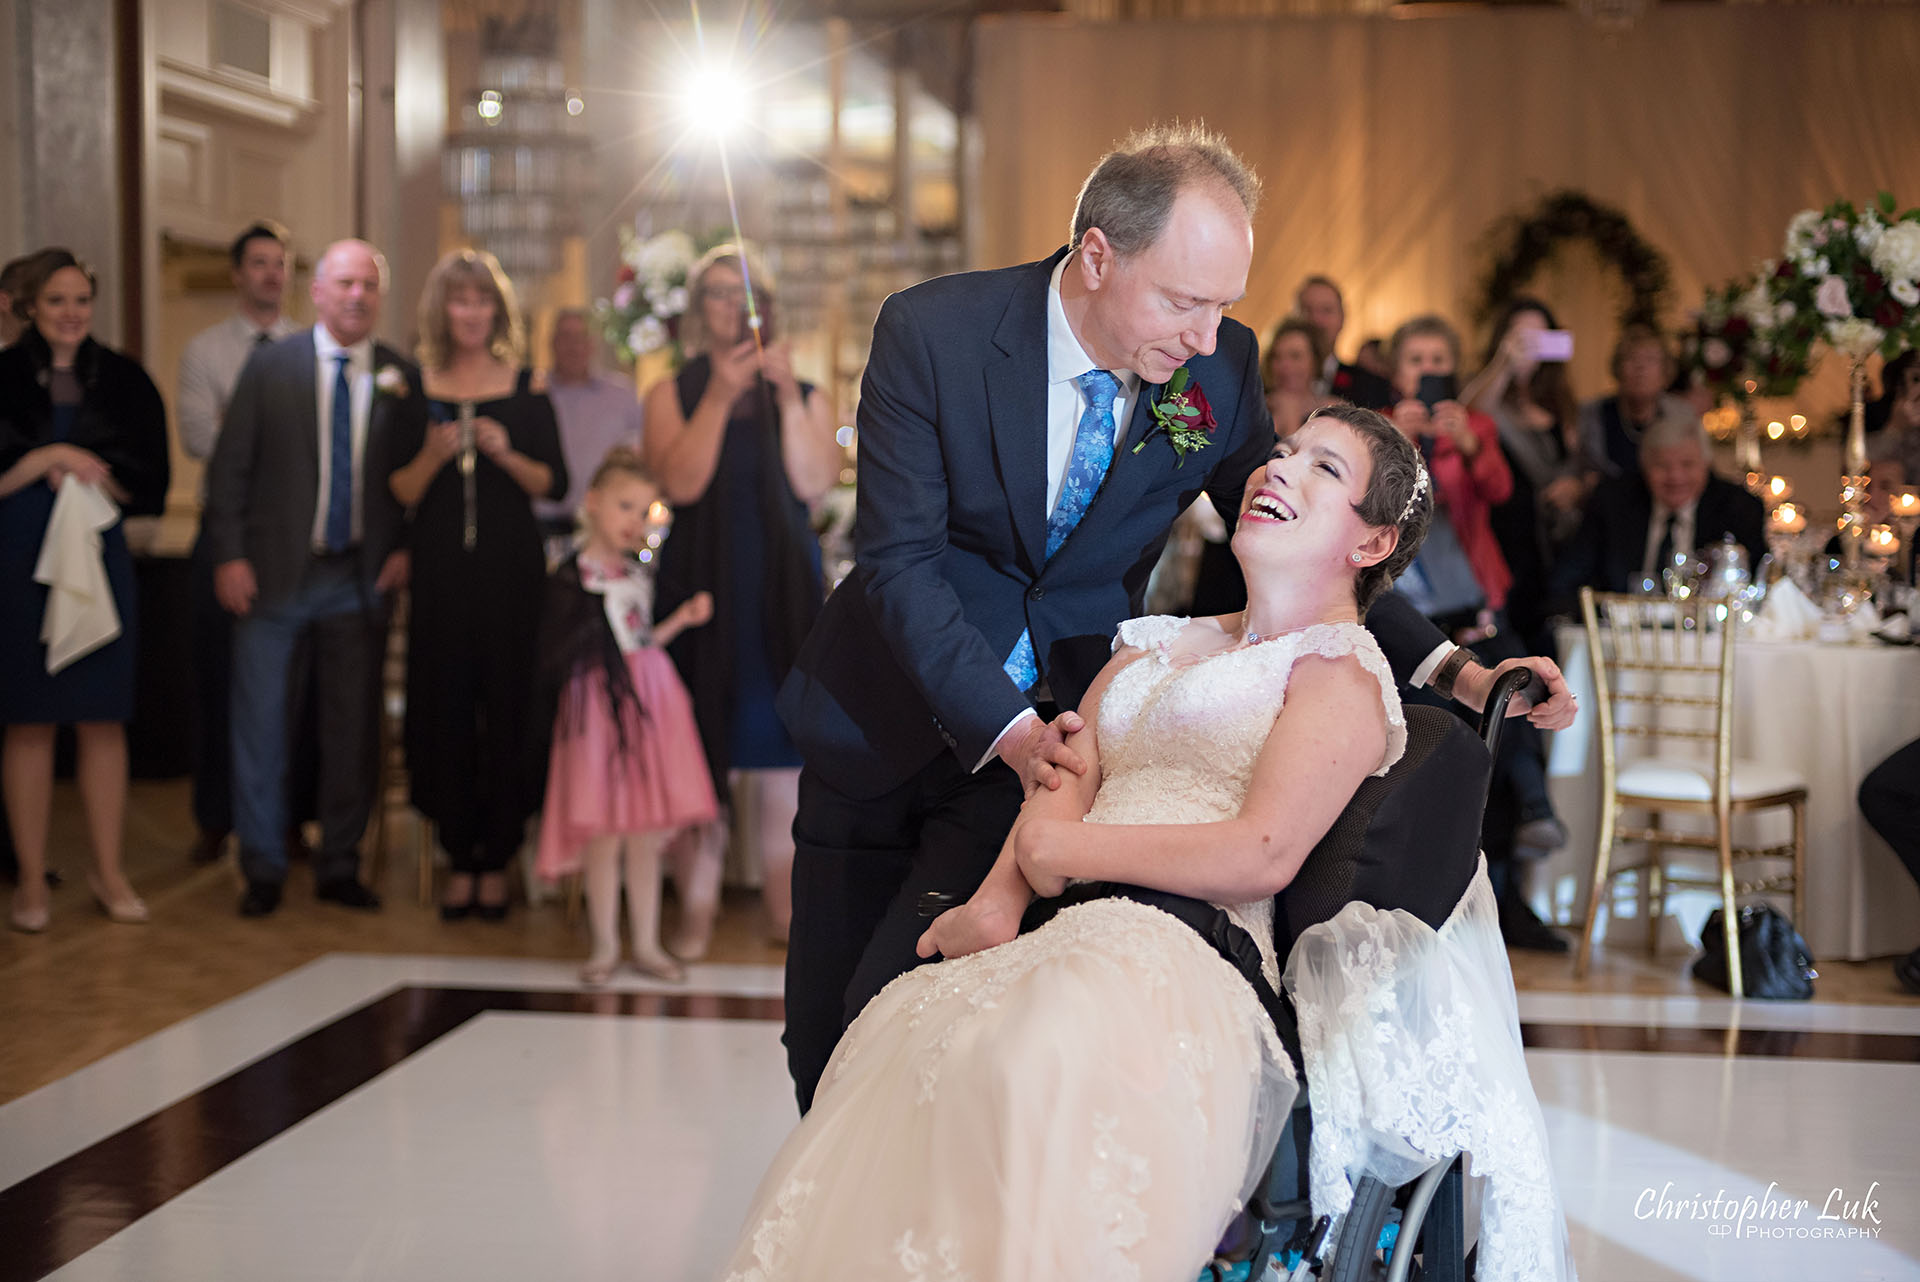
(1774, 961)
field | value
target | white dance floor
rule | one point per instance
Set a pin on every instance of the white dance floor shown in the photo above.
(622, 1143)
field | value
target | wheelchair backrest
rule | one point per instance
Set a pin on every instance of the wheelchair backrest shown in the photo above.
(1409, 839)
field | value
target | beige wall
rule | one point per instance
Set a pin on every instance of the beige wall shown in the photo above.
(223, 150)
(1388, 147)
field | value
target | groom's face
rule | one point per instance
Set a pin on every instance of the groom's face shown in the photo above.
(1156, 310)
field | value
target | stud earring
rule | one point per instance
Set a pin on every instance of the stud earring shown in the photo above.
(1357, 558)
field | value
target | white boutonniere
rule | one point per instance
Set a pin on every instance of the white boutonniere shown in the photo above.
(391, 381)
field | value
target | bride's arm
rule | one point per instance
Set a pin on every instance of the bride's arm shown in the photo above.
(992, 916)
(1331, 734)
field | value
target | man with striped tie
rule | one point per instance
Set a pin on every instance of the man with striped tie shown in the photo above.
(304, 536)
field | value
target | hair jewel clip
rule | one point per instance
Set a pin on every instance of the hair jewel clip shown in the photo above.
(1419, 488)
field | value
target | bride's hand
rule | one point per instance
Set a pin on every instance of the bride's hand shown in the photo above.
(1035, 748)
(1036, 844)
(982, 922)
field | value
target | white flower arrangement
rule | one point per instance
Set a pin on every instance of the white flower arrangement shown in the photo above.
(649, 294)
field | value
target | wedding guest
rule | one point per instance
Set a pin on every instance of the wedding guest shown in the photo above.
(479, 572)
(1895, 449)
(70, 407)
(595, 412)
(1636, 523)
(741, 446)
(1527, 395)
(1611, 426)
(1321, 303)
(1460, 581)
(1890, 801)
(209, 367)
(1296, 353)
(306, 543)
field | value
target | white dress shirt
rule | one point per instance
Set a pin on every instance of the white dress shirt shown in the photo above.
(1066, 362)
(1657, 530)
(360, 385)
(209, 368)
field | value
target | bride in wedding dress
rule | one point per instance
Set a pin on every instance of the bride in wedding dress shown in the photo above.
(1094, 1099)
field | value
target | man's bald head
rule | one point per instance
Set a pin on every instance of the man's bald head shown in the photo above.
(348, 283)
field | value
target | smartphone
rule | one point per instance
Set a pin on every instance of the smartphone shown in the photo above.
(1435, 388)
(1552, 344)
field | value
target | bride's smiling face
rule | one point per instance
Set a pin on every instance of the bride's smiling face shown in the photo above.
(1299, 508)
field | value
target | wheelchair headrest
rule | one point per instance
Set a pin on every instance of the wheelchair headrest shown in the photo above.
(1409, 839)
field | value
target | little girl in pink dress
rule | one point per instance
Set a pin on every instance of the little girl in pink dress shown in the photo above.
(626, 771)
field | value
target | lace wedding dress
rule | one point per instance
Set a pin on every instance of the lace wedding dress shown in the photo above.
(1094, 1099)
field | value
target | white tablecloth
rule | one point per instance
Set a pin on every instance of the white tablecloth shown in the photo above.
(1831, 712)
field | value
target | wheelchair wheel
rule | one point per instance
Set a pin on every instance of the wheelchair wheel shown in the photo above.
(1410, 1234)
(1357, 1256)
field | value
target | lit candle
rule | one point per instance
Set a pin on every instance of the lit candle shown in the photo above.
(1882, 541)
(1779, 488)
(1776, 430)
(1787, 519)
(1905, 502)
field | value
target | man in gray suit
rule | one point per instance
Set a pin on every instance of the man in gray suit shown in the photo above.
(305, 537)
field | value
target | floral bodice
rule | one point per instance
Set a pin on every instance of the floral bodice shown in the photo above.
(628, 598)
(1178, 738)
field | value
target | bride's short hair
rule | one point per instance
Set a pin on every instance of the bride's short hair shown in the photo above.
(1395, 496)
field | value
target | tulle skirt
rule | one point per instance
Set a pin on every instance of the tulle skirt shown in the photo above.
(1089, 1101)
(1411, 1038)
(594, 789)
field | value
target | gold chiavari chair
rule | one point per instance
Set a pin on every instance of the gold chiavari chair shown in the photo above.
(1663, 674)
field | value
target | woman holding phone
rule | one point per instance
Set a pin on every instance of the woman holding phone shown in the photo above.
(1524, 389)
(1460, 580)
(741, 447)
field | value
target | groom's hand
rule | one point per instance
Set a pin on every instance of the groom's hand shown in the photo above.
(1038, 751)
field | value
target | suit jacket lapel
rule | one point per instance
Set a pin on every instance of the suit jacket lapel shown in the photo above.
(1017, 408)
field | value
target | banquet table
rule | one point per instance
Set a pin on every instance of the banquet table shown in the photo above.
(1829, 711)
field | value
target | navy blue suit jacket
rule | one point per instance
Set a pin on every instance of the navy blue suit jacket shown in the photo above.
(950, 533)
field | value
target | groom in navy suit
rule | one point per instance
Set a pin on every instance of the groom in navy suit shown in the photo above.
(1015, 491)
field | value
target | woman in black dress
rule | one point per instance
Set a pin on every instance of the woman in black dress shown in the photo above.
(69, 407)
(741, 447)
(491, 447)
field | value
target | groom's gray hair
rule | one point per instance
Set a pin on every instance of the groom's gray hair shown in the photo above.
(1130, 193)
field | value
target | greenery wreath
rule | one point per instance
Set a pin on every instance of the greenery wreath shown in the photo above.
(1525, 242)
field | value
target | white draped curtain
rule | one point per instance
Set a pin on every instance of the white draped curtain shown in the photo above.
(1389, 146)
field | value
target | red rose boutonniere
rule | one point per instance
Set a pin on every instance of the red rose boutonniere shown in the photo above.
(1182, 413)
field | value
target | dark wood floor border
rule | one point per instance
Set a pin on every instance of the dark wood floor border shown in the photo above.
(57, 1214)
(1777, 1043)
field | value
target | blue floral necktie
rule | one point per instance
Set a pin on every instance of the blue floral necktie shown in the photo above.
(1092, 455)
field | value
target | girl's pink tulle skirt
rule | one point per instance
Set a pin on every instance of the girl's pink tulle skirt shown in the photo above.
(594, 789)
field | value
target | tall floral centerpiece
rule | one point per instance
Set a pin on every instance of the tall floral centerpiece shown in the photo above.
(649, 294)
(1848, 280)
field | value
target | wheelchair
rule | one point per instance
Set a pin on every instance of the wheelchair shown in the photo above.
(1431, 801)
